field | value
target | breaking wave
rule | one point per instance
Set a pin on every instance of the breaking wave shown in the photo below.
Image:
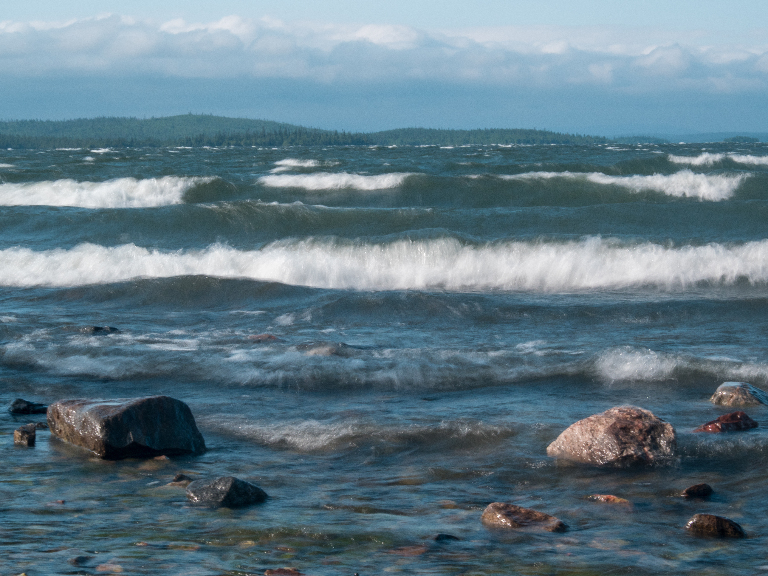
(683, 184)
(444, 264)
(292, 164)
(709, 158)
(334, 181)
(118, 193)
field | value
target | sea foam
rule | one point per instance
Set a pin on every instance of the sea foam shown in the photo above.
(709, 158)
(334, 181)
(683, 184)
(292, 164)
(118, 193)
(446, 264)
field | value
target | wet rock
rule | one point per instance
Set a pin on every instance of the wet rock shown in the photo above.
(283, 572)
(609, 499)
(509, 516)
(20, 406)
(226, 491)
(738, 394)
(126, 428)
(41, 425)
(181, 480)
(733, 422)
(699, 491)
(711, 525)
(262, 338)
(80, 560)
(622, 436)
(25, 435)
(99, 330)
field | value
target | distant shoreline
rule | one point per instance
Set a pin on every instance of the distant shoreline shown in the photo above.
(198, 130)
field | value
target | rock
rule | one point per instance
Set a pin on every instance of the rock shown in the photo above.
(508, 516)
(261, 338)
(700, 491)
(139, 427)
(733, 422)
(21, 406)
(738, 394)
(226, 491)
(623, 436)
(181, 480)
(711, 525)
(283, 572)
(609, 499)
(25, 435)
(99, 330)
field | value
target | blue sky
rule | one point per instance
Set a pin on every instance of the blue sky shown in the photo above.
(586, 66)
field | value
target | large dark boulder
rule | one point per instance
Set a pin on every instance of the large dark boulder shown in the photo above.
(508, 516)
(226, 491)
(714, 526)
(21, 406)
(622, 436)
(139, 427)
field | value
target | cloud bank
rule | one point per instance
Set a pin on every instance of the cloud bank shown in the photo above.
(636, 61)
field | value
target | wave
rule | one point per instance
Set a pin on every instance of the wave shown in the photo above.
(443, 264)
(334, 181)
(118, 193)
(293, 163)
(683, 184)
(709, 158)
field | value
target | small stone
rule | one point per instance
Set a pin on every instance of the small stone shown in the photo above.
(283, 572)
(609, 499)
(181, 480)
(99, 330)
(226, 491)
(620, 436)
(700, 491)
(738, 394)
(25, 435)
(21, 406)
(41, 425)
(80, 560)
(508, 516)
(733, 422)
(711, 525)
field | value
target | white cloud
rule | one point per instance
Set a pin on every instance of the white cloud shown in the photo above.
(267, 48)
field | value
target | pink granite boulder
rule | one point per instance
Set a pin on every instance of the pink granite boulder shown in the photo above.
(508, 516)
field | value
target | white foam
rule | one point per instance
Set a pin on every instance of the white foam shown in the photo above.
(683, 184)
(292, 164)
(447, 264)
(334, 181)
(708, 159)
(7, 166)
(119, 193)
(631, 364)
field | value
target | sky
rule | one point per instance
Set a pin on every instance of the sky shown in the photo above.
(580, 66)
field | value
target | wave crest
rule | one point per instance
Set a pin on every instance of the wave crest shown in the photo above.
(335, 181)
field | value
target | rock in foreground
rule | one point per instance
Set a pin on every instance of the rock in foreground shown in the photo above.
(226, 491)
(139, 427)
(622, 436)
(711, 525)
(733, 422)
(738, 394)
(509, 516)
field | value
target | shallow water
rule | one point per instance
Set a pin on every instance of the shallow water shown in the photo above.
(442, 315)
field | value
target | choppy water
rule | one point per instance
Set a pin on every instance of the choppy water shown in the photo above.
(442, 314)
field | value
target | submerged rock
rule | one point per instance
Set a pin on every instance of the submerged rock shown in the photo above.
(139, 427)
(738, 394)
(609, 499)
(261, 338)
(509, 516)
(445, 538)
(226, 491)
(699, 491)
(733, 422)
(25, 435)
(623, 436)
(21, 406)
(99, 330)
(711, 525)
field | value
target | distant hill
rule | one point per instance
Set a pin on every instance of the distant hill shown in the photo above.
(206, 130)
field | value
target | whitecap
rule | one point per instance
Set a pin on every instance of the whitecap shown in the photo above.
(334, 181)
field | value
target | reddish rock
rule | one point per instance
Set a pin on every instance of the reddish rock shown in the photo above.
(25, 435)
(738, 394)
(609, 499)
(711, 525)
(732, 422)
(622, 436)
(140, 427)
(509, 516)
(699, 491)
